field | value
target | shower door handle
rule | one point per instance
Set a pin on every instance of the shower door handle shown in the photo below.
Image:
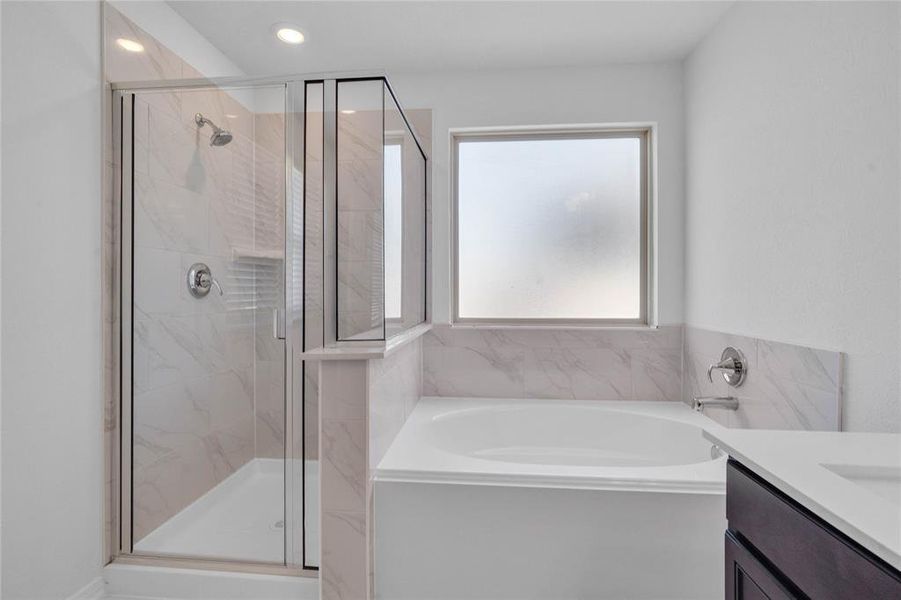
(278, 324)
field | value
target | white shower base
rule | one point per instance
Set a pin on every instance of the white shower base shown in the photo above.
(242, 518)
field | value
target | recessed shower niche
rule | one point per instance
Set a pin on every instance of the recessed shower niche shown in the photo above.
(260, 223)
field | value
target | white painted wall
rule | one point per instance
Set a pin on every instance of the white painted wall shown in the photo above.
(51, 415)
(610, 94)
(792, 195)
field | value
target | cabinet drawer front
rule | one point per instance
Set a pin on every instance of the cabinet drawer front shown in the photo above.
(822, 562)
(749, 579)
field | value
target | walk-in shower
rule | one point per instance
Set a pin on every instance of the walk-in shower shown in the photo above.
(298, 225)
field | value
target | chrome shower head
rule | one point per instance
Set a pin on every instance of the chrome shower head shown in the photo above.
(220, 136)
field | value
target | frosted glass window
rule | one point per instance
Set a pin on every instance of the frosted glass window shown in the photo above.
(551, 227)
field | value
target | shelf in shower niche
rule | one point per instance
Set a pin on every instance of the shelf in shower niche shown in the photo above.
(257, 253)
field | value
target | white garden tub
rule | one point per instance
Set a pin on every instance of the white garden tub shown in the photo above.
(550, 499)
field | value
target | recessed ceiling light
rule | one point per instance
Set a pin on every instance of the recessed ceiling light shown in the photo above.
(130, 45)
(288, 33)
(227, 116)
(348, 112)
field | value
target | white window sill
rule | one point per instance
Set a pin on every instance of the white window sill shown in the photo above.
(367, 350)
(550, 326)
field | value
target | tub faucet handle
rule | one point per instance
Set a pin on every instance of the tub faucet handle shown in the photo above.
(733, 365)
(727, 365)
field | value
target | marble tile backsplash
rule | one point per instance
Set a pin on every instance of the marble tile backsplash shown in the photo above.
(787, 386)
(578, 364)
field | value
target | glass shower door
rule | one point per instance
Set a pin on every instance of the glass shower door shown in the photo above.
(208, 355)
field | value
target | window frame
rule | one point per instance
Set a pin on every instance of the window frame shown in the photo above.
(645, 133)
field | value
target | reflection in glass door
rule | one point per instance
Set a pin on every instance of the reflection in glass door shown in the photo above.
(207, 349)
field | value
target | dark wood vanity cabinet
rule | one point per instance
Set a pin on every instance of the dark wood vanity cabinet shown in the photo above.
(776, 549)
(748, 578)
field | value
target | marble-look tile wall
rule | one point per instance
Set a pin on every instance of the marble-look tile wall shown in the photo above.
(364, 404)
(156, 62)
(421, 121)
(361, 218)
(110, 318)
(787, 386)
(360, 212)
(409, 238)
(313, 261)
(582, 364)
(267, 263)
(344, 480)
(395, 385)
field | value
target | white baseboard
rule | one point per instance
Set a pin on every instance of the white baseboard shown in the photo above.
(95, 590)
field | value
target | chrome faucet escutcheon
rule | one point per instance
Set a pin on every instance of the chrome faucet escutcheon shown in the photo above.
(733, 365)
(200, 280)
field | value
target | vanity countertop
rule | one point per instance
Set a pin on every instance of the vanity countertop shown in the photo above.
(850, 480)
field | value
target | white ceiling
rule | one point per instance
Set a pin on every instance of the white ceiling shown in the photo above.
(418, 36)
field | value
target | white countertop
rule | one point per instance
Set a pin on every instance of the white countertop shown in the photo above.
(850, 480)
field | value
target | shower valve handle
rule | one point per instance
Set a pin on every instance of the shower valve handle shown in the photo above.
(200, 280)
(216, 283)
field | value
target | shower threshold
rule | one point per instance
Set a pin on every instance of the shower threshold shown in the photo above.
(242, 518)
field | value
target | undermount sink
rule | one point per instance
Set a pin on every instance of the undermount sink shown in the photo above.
(885, 482)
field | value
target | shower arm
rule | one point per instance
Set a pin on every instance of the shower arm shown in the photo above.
(201, 121)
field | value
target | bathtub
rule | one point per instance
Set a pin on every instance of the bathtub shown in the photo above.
(551, 500)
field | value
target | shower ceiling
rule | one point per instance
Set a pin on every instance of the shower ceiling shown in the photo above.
(449, 35)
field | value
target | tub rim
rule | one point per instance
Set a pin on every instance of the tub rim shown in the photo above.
(412, 459)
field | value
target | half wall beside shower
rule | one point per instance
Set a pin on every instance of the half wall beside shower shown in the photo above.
(263, 225)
